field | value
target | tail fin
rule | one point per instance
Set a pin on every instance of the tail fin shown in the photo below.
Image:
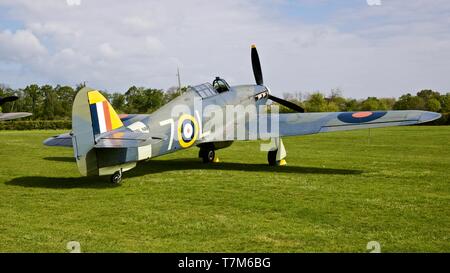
(91, 115)
(103, 116)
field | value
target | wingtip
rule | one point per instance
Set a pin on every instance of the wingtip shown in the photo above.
(429, 116)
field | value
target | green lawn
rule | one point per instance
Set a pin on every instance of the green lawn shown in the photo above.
(337, 193)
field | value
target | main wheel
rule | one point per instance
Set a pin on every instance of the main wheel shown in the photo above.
(116, 178)
(272, 158)
(208, 155)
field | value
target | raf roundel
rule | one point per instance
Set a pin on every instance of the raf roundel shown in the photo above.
(187, 131)
(361, 117)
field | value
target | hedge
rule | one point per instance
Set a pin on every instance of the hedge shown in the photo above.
(35, 124)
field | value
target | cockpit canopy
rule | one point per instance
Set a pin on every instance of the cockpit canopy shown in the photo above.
(207, 90)
(221, 85)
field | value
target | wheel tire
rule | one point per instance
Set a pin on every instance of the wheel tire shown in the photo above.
(272, 158)
(208, 156)
(116, 178)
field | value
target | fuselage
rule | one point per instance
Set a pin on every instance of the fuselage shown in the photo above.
(196, 102)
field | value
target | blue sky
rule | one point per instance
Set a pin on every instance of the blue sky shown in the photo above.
(305, 45)
(7, 22)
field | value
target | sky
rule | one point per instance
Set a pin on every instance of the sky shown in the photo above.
(365, 48)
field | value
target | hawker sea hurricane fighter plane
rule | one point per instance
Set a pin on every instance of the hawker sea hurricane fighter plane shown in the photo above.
(106, 143)
(10, 116)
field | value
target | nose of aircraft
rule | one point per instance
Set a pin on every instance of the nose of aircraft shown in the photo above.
(429, 116)
(259, 89)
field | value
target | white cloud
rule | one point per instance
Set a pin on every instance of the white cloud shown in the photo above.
(107, 51)
(138, 23)
(400, 46)
(20, 46)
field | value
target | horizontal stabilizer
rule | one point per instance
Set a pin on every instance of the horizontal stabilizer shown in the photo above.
(64, 140)
(125, 143)
(126, 139)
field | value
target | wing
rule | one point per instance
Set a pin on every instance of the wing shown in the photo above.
(296, 124)
(312, 123)
(10, 116)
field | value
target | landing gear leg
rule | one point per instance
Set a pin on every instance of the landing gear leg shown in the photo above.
(277, 153)
(272, 158)
(116, 178)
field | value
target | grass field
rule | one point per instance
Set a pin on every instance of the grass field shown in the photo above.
(338, 193)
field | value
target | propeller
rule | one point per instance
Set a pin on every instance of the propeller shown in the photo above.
(8, 99)
(257, 72)
(256, 64)
(287, 104)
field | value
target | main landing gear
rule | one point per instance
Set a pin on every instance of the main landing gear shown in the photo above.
(272, 159)
(208, 155)
(116, 178)
(276, 152)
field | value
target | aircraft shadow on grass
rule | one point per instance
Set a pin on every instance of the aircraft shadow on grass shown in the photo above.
(60, 159)
(160, 166)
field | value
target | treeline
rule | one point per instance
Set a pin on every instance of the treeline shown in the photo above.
(54, 103)
(427, 100)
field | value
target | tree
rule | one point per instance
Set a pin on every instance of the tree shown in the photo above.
(350, 105)
(174, 92)
(331, 107)
(49, 106)
(409, 102)
(428, 94)
(33, 94)
(336, 101)
(372, 104)
(118, 102)
(80, 86)
(154, 99)
(316, 102)
(65, 96)
(445, 103)
(433, 105)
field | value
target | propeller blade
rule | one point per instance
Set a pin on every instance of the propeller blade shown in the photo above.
(8, 99)
(287, 104)
(256, 64)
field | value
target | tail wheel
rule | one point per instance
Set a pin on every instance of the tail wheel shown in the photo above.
(208, 155)
(272, 158)
(116, 178)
